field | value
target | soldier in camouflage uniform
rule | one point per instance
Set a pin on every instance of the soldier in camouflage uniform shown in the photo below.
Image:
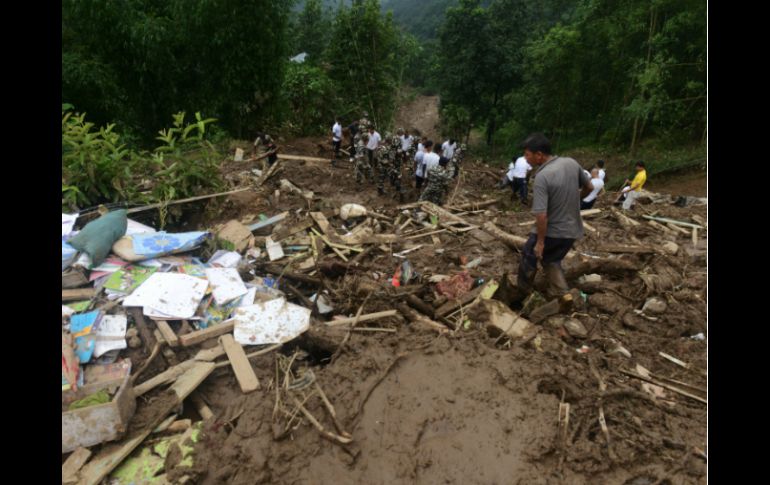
(457, 159)
(362, 167)
(438, 182)
(389, 164)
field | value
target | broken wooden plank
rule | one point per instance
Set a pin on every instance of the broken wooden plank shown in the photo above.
(181, 201)
(362, 318)
(302, 225)
(673, 221)
(664, 385)
(77, 294)
(624, 219)
(695, 237)
(207, 333)
(473, 205)
(112, 455)
(168, 333)
(169, 375)
(417, 236)
(71, 467)
(698, 219)
(73, 278)
(589, 227)
(268, 222)
(445, 217)
(242, 369)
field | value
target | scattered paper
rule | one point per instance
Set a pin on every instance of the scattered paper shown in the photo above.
(126, 280)
(270, 322)
(82, 327)
(108, 266)
(173, 294)
(226, 284)
(225, 259)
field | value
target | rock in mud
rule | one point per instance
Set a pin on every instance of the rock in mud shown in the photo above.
(654, 306)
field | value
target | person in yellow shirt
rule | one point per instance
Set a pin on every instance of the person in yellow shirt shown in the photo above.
(632, 191)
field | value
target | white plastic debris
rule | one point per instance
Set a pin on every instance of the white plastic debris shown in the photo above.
(352, 210)
(111, 334)
(698, 336)
(654, 305)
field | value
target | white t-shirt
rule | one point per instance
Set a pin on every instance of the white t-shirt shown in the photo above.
(420, 147)
(418, 163)
(601, 174)
(447, 150)
(598, 185)
(374, 141)
(406, 142)
(337, 131)
(519, 169)
(429, 160)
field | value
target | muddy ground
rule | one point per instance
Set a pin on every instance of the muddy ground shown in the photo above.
(424, 406)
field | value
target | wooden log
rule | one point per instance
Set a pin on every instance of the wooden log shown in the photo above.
(516, 242)
(168, 333)
(207, 333)
(286, 156)
(362, 318)
(182, 201)
(144, 330)
(444, 215)
(419, 305)
(673, 221)
(112, 455)
(71, 467)
(417, 236)
(618, 248)
(77, 294)
(456, 303)
(420, 320)
(200, 406)
(583, 213)
(678, 229)
(658, 225)
(242, 369)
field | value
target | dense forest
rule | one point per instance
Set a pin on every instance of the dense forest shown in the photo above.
(589, 71)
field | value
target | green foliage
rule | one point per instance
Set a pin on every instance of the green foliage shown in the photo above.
(311, 97)
(134, 62)
(366, 58)
(98, 168)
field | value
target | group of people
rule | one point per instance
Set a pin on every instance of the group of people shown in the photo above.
(519, 172)
(378, 159)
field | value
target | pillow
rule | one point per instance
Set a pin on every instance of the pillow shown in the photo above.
(98, 236)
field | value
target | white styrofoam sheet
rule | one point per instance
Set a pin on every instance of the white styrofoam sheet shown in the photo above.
(270, 322)
(111, 334)
(172, 294)
(226, 284)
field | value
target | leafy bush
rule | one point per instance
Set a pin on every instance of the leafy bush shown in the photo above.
(98, 168)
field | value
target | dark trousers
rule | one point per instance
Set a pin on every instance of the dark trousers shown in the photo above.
(519, 187)
(419, 180)
(586, 205)
(554, 251)
(336, 145)
(371, 156)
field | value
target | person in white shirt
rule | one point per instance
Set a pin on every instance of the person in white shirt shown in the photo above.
(518, 172)
(336, 139)
(448, 148)
(406, 144)
(427, 161)
(373, 144)
(602, 173)
(598, 184)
